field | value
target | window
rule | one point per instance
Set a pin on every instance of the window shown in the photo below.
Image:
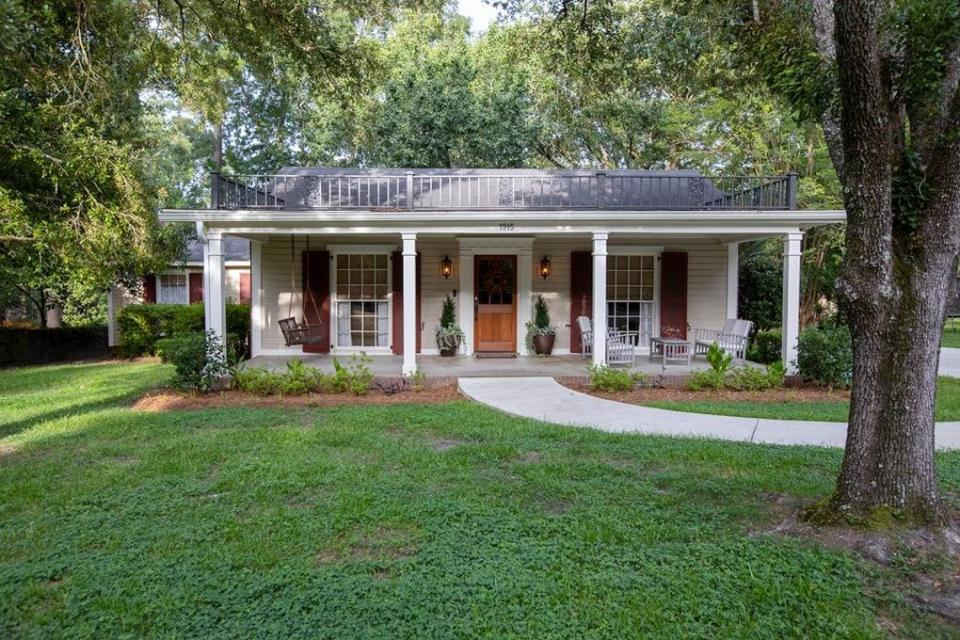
(362, 287)
(172, 289)
(630, 295)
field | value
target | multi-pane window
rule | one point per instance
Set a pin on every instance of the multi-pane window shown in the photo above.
(362, 288)
(172, 289)
(630, 295)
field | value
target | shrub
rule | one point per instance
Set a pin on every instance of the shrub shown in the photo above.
(359, 375)
(257, 381)
(719, 359)
(418, 379)
(748, 379)
(709, 379)
(825, 355)
(777, 373)
(604, 378)
(765, 347)
(198, 359)
(142, 325)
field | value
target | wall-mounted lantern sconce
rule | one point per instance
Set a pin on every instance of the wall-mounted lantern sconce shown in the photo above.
(446, 267)
(545, 267)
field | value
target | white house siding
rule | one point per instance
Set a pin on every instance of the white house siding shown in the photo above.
(706, 282)
(434, 287)
(277, 299)
(556, 289)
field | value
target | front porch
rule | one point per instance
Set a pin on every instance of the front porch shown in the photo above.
(368, 264)
(439, 368)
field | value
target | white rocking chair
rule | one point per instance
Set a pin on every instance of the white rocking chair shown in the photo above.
(621, 345)
(732, 338)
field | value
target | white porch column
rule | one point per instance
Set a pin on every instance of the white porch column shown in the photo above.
(733, 278)
(791, 298)
(214, 308)
(600, 297)
(524, 295)
(465, 300)
(410, 327)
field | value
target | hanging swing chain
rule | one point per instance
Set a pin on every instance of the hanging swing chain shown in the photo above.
(309, 287)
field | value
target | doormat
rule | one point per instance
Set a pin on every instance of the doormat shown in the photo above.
(496, 354)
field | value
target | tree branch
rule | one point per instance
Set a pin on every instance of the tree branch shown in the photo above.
(823, 35)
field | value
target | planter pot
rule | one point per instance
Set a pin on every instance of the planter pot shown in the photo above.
(449, 352)
(543, 345)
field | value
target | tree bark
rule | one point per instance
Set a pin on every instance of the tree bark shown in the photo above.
(218, 146)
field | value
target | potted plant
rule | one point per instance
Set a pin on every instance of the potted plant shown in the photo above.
(448, 334)
(540, 335)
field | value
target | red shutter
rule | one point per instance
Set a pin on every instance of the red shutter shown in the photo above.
(244, 287)
(581, 293)
(150, 288)
(196, 288)
(316, 297)
(396, 261)
(396, 320)
(673, 295)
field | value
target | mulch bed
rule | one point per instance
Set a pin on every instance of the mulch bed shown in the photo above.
(168, 400)
(675, 394)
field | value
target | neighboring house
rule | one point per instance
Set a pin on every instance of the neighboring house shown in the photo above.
(369, 255)
(182, 283)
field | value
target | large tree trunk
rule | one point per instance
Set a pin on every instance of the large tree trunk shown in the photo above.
(894, 285)
(888, 466)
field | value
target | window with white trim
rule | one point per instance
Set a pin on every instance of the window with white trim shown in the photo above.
(362, 300)
(630, 295)
(172, 288)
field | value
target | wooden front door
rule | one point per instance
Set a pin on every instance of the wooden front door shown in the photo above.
(496, 308)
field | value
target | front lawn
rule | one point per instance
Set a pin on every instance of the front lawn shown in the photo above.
(404, 521)
(951, 334)
(948, 406)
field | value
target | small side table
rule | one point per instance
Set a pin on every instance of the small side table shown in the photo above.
(671, 350)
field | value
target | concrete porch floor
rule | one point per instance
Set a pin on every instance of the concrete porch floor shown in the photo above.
(473, 367)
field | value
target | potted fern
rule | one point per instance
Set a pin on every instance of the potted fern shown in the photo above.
(448, 334)
(540, 335)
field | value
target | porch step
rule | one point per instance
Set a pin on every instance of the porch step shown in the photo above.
(483, 355)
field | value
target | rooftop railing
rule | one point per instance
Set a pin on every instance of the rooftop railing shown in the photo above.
(409, 191)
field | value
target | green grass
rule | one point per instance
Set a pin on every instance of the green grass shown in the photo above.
(404, 521)
(948, 406)
(951, 334)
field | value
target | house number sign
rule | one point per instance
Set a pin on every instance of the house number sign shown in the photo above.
(507, 226)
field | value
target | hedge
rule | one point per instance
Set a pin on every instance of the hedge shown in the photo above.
(825, 355)
(40, 346)
(141, 325)
(765, 347)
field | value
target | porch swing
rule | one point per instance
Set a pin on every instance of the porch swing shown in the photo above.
(301, 333)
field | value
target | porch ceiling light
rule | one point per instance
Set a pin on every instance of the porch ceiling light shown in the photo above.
(545, 267)
(446, 267)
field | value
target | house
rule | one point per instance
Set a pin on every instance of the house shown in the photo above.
(182, 283)
(366, 256)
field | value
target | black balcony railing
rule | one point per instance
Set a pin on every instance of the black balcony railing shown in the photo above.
(433, 191)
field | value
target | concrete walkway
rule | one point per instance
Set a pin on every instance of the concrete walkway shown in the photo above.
(547, 400)
(949, 362)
